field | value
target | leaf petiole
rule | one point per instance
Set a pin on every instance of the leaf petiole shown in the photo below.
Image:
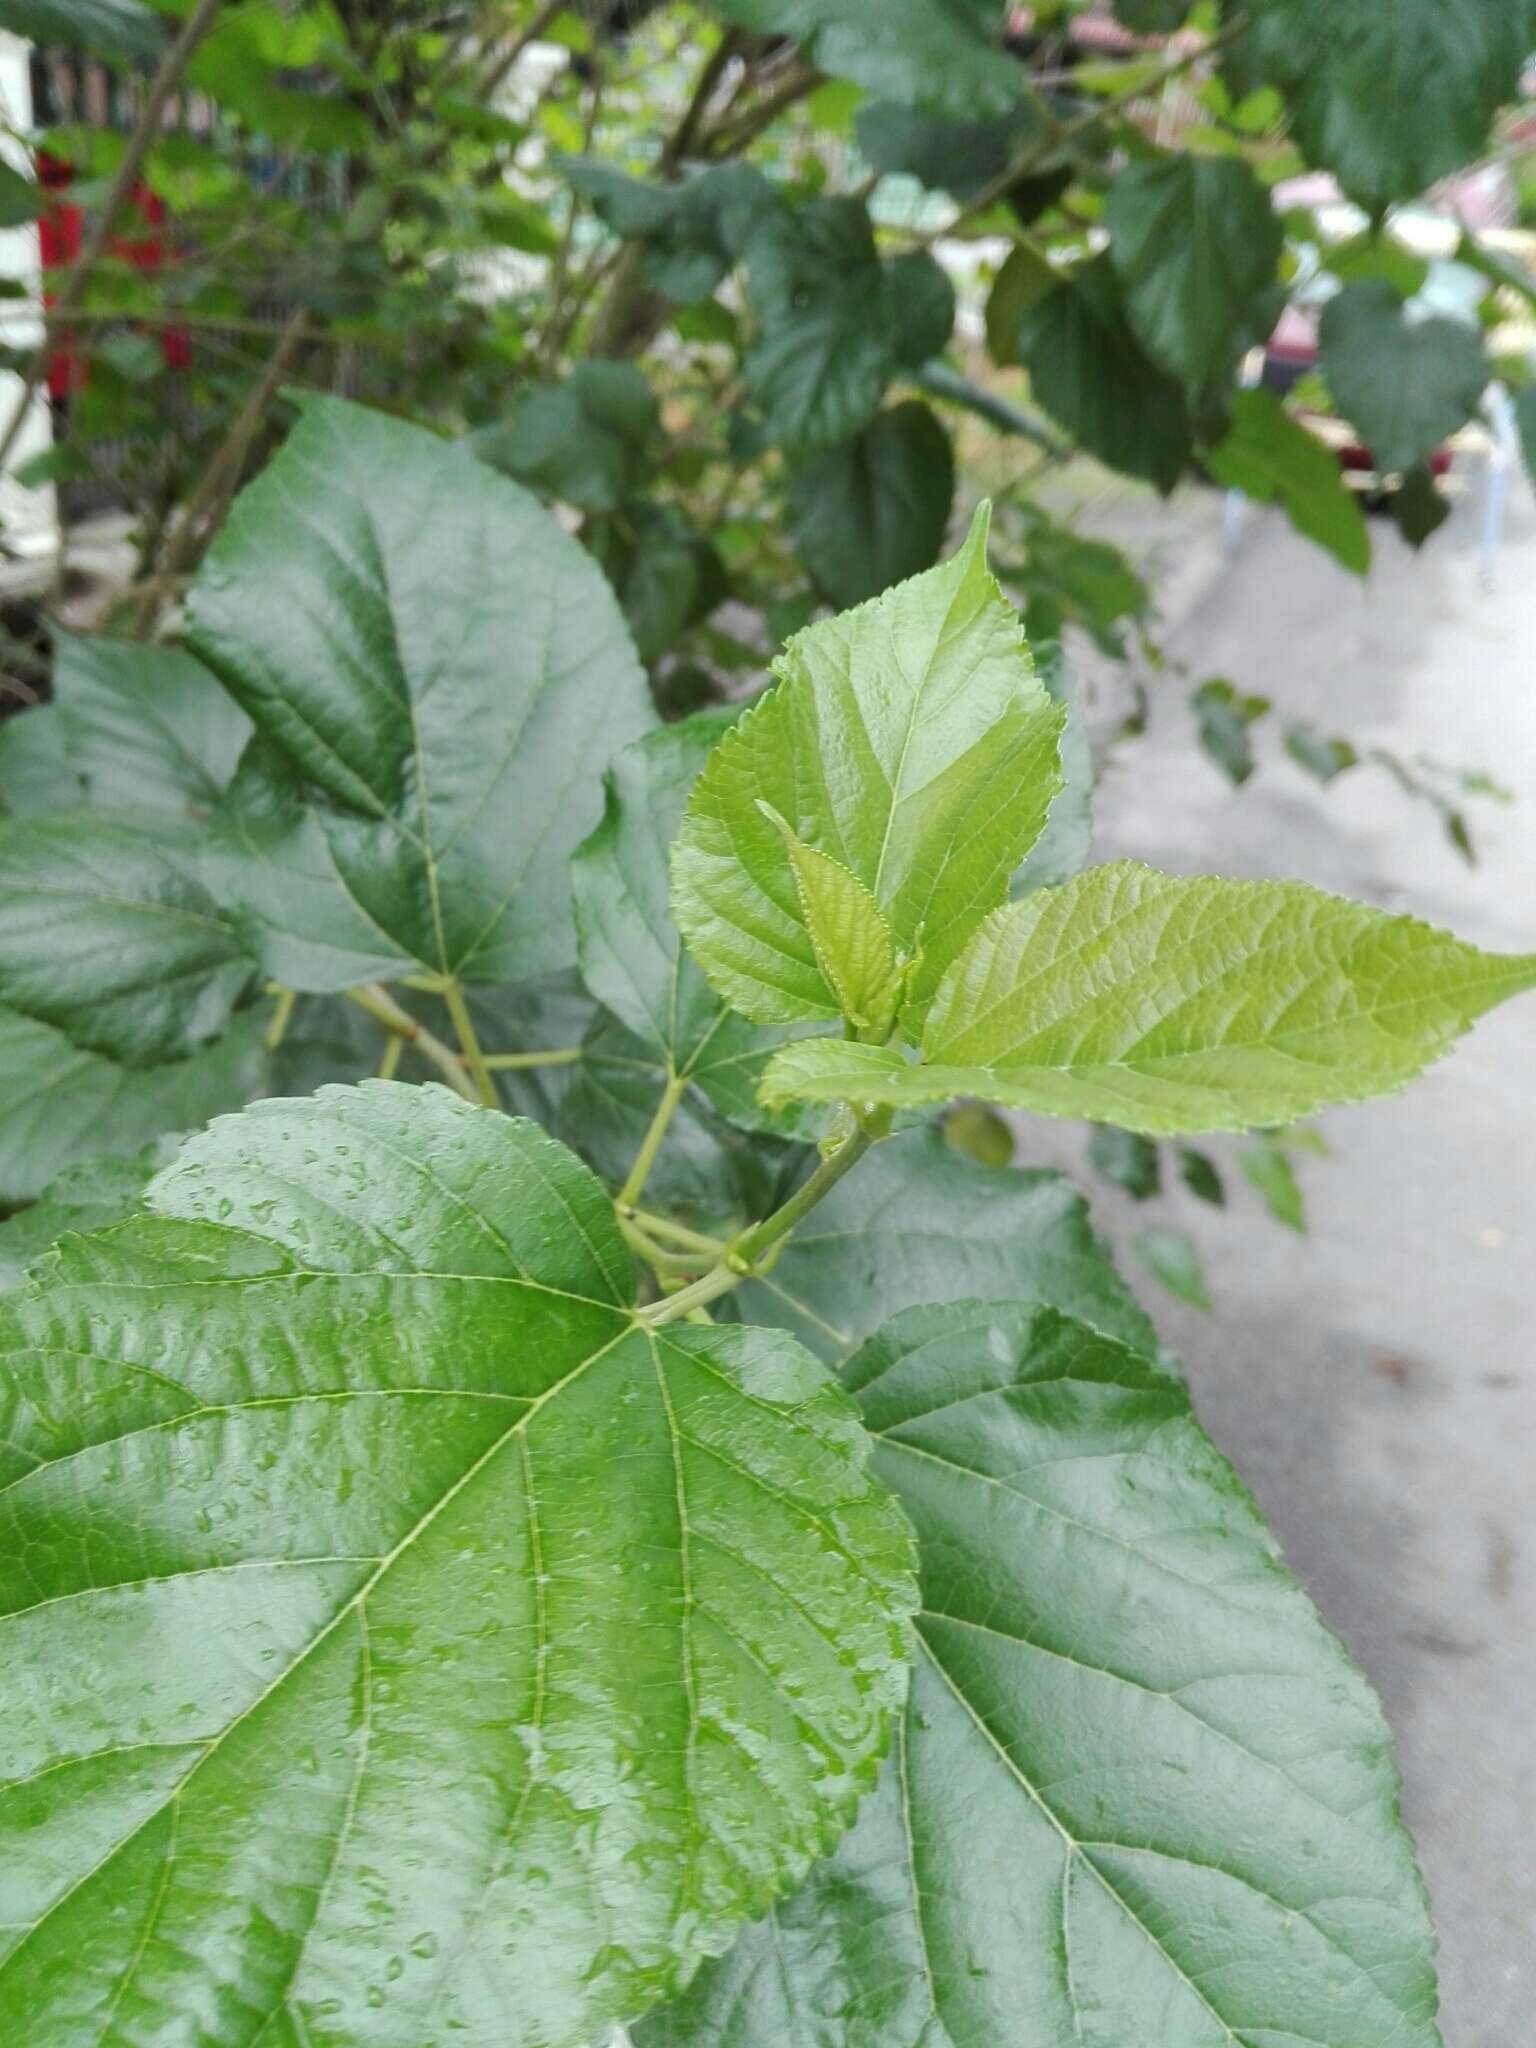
(556, 1056)
(650, 1144)
(373, 997)
(469, 1042)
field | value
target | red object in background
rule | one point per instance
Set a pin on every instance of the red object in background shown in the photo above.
(59, 235)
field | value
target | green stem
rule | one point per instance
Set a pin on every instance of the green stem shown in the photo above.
(655, 1255)
(394, 1045)
(469, 1043)
(650, 1144)
(381, 1005)
(281, 1013)
(663, 1227)
(556, 1056)
(748, 1246)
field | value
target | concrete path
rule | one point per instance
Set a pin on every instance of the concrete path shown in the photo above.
(1375, 1381)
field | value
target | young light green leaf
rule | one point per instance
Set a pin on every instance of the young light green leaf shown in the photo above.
(434, 1709)
(852, 941)
(1173, 1260)
(1267, 455)
(1166, 1005)
(909, 739)
(1194, 240)
(1407, 383)
(631, 956)
(1267, 1169)
(1064, 845)
(438, 675)
(59, 1105)
(108, 934)
(875, 509)
(920, 1222)
(1140, 1794)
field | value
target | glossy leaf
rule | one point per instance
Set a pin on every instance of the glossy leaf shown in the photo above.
(438, 675)
(920, 1222)
(1164, 1005)
(1087, 368)
(1406, 383)
(60, 1105)
(631, 955)
(442, 1731)
(946, 57)
(1140, 1793)
(108, 934)
(145, 726)
(84, 1197)
(1268, 456)
(875, 509)
(910, 740)
(1389, 101)
(1194, 240)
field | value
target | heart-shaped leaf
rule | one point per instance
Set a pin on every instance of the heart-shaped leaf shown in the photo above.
(438, 675)
(1406, 383)
(1140, 1794)
(1164, 1005)
(401, 1640)
(910, 740)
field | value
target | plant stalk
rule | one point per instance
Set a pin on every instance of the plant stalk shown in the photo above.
(474, 1058)
(650, 1144)
(556, 1056)
(381, 1005)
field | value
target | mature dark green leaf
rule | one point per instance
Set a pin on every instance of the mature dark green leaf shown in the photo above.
(59, 1105)
(1127, 1159)
(1165, 1004)
(35, 772)
(1389, 100)
(1173, 1260)
(1418, 508)
(585, 440)
(84, 1197)
(145, 727)
(252, 52)
(1267, 455)
(1140, 1794)
(665, 575)
(107, 28)
(1266, 1168)
(1194, 240)
(1406, 382)
(1025, 276)
(875, 509)
(919, 1222)
(1224, 716)
(691, 232)
(108, 934)
(1068, 578)
(834, 323)
(632, 958)
(957, 156)
(1198, 1172)
(435, 1711)
(1087, 368)
(909, 739)
(1152, 17)
(438, 676)
(941, 54)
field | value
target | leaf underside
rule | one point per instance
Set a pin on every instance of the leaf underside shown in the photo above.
(1140, 1797)
(399, 1638)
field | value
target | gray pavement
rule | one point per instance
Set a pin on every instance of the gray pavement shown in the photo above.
(1375, 1381)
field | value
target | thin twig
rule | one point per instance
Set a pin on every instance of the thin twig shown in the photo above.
(381, 1005)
